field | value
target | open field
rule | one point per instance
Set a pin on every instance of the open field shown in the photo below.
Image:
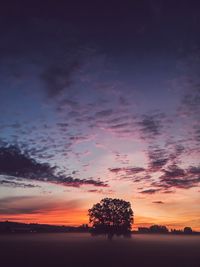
(82, 250)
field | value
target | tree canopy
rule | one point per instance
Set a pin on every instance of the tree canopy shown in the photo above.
(188, 230)
(158, 229)
(111, 216)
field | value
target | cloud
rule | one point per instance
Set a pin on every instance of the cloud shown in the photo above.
(118, 119)
(174, 171)
(59, 77)
(158, 202)
(127, 170)
(121, 158)
(150, 191)
(100, 191)
(80, 139)
(14, 162)
(178, 150)
(176, 177)
(157, 158)
(103, 113)
(115, 170)
(133, 174)
(168, 191)
(14, 184)
(194, 170)
(75, 182)
(151, 125)
(120, 126)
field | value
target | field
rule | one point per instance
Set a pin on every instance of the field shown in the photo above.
(82, 250)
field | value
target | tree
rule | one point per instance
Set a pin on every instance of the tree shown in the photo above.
(111, 216)
(188, 230)
(161, 229)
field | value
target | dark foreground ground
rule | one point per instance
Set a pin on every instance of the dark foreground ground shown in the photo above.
(82, 250)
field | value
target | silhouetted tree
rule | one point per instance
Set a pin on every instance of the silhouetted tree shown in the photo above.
(187, 230)
(158, 229)
(111, 216)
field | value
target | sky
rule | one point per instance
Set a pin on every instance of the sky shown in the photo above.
(100, 100)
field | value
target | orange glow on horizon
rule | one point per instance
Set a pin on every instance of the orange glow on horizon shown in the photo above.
(79, 217)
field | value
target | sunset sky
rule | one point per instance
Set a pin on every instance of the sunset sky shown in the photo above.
(100, 100)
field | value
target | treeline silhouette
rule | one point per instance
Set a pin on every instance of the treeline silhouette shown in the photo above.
(161, 229)
(15, 227)
(154, 229)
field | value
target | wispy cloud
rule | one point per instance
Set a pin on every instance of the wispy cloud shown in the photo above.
(150, 191)
(157, 158)
(127, 170)
(158, 202)
(176, 177)
(14, 184)
(151, 125)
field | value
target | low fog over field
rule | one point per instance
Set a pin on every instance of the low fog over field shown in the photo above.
(82, 250)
